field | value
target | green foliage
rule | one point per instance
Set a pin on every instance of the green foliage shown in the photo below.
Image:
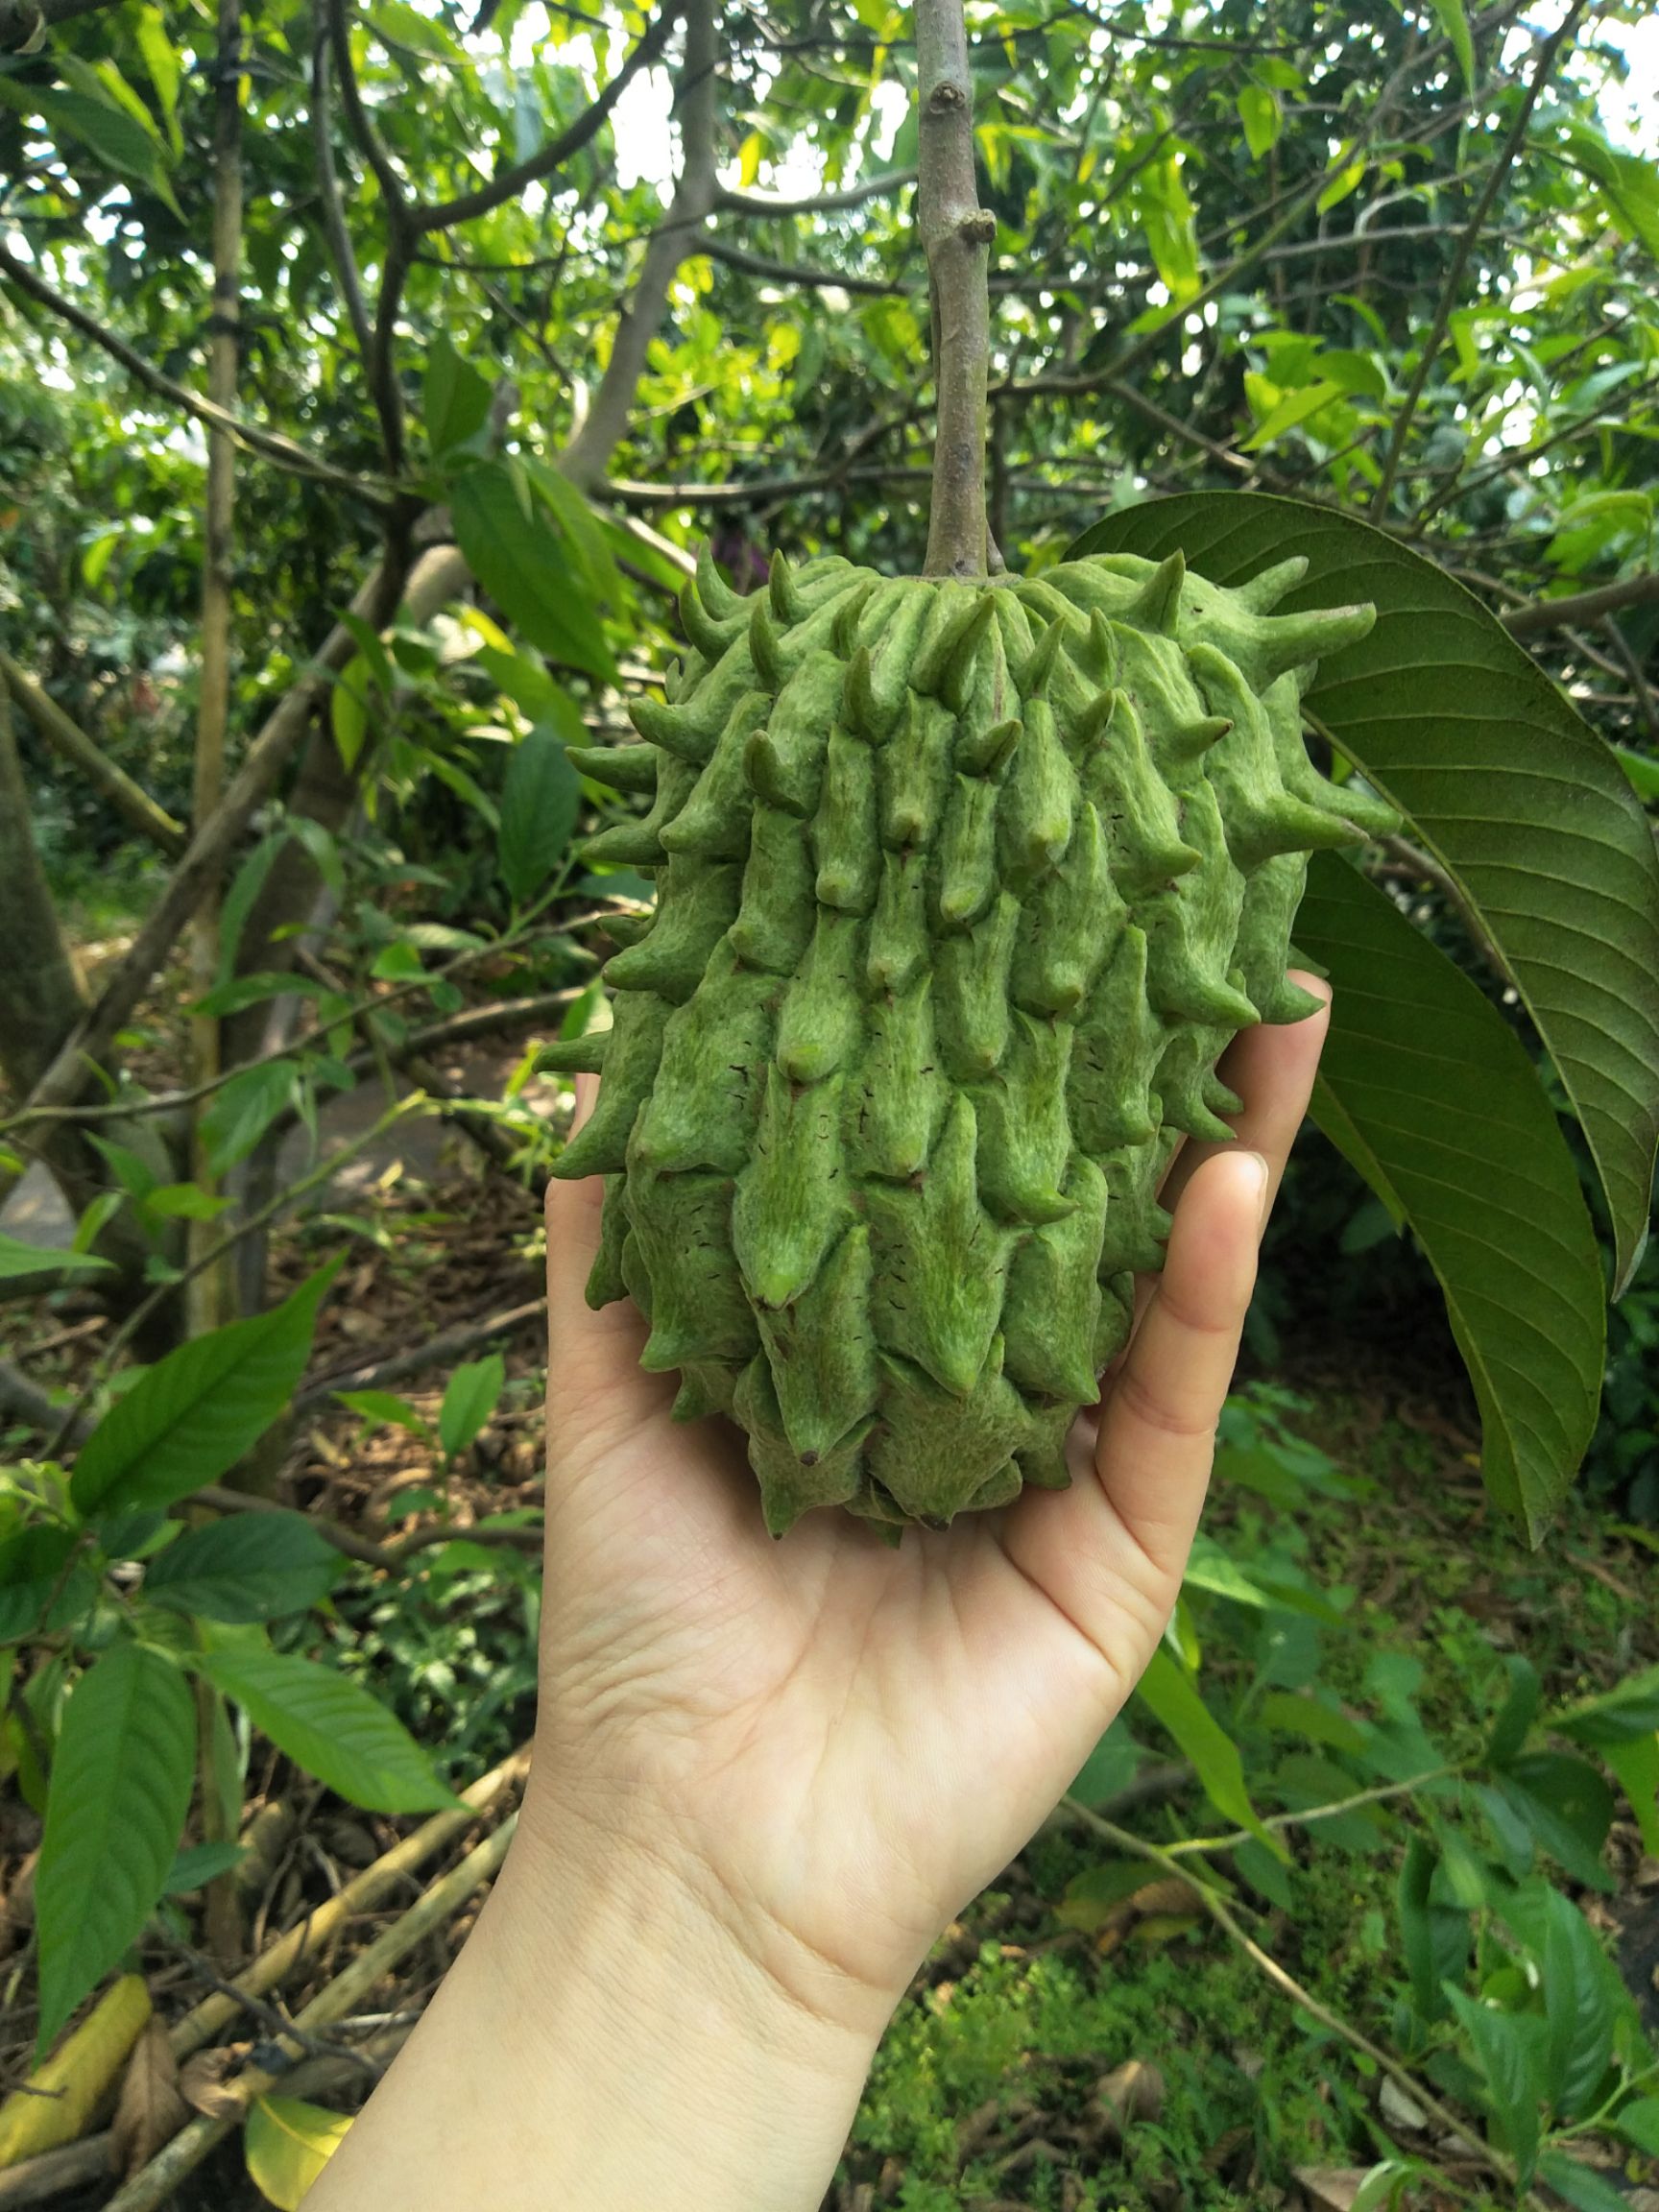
(120, 1787)
(1569, 892)
(193, 1416)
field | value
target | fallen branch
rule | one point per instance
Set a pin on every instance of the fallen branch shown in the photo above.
(448, 1344)
(67, 738)
(361, 1894)
(155, 2183)
(391, 1558)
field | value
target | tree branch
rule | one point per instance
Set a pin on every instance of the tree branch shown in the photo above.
(1466, 243)
(66, 737)
(956, 234)
(269, 445)
(720, 249)
(380, 362)
(1541, 615)
(441, 573)
(586, 457)
(759, 205)
(553, 156)
(24, 23)
(334, 228)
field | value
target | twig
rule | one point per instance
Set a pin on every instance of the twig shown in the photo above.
(303, 1942)
(440, 573)
(1639, 683)
(66, 737)
(558, 150)
(1222, 1914)
(760, 204)
(448, 1344)
(1313, 1814)
(151, 2188)
(391, 1558)
(1451, 287)
(799, 272)
(334, 228)
(956, 234)
(322, 1172)
(269, 445)
(1422, 865)
(588, 456)
(1540, 614)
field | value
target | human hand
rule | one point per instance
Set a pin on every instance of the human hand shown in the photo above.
(832, 1743)
(766, 1774)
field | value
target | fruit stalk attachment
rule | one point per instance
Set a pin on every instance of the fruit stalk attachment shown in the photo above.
(956, 234)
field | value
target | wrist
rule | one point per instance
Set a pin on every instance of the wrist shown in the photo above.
(605, 2031)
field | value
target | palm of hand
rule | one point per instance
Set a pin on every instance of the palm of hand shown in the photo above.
(835, 1741)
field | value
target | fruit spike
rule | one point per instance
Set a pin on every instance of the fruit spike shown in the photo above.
(963, 889)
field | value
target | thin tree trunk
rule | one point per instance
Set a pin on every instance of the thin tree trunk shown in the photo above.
(956, 234)
(40, 999)
(210, 1295)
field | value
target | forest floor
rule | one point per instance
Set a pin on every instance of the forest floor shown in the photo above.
(1047, 2058)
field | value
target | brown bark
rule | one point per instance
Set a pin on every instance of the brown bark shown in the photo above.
(210, 1300)
(40, 998)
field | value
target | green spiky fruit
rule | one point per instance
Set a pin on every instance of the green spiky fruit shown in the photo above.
(962, 891)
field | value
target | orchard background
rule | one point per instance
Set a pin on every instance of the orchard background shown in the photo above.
(370, 379)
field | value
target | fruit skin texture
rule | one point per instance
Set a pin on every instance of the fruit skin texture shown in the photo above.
(962, 890)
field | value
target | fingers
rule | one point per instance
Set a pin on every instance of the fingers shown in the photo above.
(1157, 1431)
(1272, 1069)
(592, 1357)
(1111, 1551)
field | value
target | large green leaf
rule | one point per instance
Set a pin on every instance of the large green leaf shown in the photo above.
(1512, 792)
(1168, 1695)
(120, 1790)
(518, 552)
(253, 1567)
(329, 1727)
(1429, 1092)
(193, 1414)
(538, 801)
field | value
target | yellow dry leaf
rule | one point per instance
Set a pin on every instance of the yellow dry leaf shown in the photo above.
(59, 2100)
(287, 2144)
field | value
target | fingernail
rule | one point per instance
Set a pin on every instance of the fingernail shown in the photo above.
(1259, 1170)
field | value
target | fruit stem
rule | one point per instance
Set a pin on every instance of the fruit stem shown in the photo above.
(956, 234)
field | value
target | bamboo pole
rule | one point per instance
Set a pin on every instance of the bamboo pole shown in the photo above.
(150, 2189)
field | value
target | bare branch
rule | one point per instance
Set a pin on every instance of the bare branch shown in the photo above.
(24, 23)
(334, 228)
(66, 737)
(1466, 243)
(588, 455)
(269, 445)
(759, 205)
(1541, 615)
(380, 362)
(720, 249)
(558, 150)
